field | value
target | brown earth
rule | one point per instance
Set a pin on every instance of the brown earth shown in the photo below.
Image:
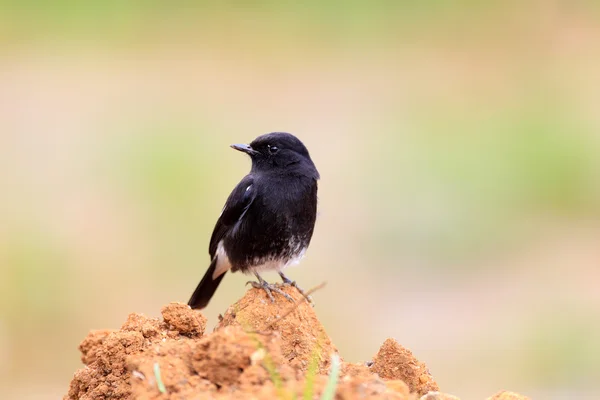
(259, 350)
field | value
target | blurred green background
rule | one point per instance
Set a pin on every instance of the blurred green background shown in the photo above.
(457, 142)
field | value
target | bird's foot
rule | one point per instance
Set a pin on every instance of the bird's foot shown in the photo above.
(288, 282)
(269, 288)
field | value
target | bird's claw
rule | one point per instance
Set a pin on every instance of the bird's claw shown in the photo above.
(288, 282)
(269, 288)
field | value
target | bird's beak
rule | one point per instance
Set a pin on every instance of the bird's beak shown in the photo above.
(244, 148)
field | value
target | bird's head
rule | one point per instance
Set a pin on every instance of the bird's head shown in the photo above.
(278, 151)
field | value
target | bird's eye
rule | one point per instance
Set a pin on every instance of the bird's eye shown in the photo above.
(273, 149)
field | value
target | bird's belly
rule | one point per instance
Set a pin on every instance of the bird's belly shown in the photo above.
(274, 264)
(254, 254)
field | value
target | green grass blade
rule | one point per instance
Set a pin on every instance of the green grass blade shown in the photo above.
(159, 382)
(334, 373)
(313, 367)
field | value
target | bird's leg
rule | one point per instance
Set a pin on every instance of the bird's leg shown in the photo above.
(289, 282)
(267, 287)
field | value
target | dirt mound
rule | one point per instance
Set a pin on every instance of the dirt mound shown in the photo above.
(259, 350)
(303, 336)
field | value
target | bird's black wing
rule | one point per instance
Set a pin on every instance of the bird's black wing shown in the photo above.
(235, 207)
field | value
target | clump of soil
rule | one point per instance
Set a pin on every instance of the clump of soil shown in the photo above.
(506, 395)
(259, 350)
(395, 362)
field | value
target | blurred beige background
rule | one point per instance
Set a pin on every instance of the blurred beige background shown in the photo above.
(458, 147)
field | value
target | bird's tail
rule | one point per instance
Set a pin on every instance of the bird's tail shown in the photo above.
(206, 288)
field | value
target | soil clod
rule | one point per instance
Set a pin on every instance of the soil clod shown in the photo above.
(396, 362)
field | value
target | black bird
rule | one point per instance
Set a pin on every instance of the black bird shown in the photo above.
(268, 219)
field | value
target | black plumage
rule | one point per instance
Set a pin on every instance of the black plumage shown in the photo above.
(268, 220)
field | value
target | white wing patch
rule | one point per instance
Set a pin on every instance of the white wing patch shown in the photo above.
(223, 263)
